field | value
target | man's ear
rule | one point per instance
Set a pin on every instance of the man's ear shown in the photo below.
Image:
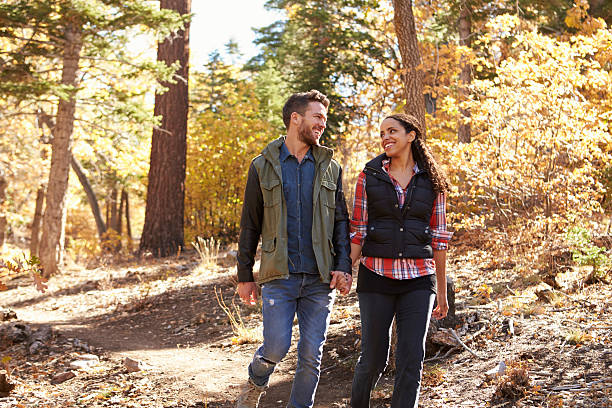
(295, 118)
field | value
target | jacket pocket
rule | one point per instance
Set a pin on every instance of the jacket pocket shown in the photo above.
(328, 193)
(268, 245)
(271, 192)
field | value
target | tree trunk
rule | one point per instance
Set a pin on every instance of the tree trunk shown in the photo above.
(114, 218)
(405, 30)
(60, 156)
(128, 225)
(91, 196)
(35, 239)
(120, 215)
(162, 234)
(464, 134)
(3, 185)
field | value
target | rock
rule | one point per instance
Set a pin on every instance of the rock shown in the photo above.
(42, 334)
(78, 344)
(15, 332)
(36, 347)
(5, 386)
(83, 364)
(7, 314)
(134, 365)
(444, 338)
(92, 357)
(61, 377)
(498, 370)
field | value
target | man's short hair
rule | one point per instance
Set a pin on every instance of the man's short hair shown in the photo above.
(298, 102)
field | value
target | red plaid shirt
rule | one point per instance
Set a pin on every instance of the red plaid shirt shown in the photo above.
(400, 268)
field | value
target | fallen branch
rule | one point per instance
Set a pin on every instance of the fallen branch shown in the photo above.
(463, 344)
(583, 387)
(436, 357)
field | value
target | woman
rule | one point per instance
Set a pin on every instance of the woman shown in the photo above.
(398, 231)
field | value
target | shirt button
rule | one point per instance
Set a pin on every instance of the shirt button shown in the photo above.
(402, 229)
(400, 254)
(371, 228)
(396, 206)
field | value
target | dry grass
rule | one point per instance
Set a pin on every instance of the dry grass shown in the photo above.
(242, 333)
(208, 249)
(514, 384)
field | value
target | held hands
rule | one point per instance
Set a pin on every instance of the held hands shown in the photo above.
(341, 281)
(442, 308)
(248, 292)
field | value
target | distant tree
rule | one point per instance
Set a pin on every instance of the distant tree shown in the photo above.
(322, 45)
(163, 233)
(411, 59)
(464, 133)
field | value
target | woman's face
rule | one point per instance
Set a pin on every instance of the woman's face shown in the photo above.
(394, 139)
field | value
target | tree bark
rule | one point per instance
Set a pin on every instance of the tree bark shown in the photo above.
(405, 30)
(120, 215)
(163, 229)
(3, 185)
(464, 132)
(114, 217)
(128, 225)
(91, 196)
(35, 239)
(50, 248)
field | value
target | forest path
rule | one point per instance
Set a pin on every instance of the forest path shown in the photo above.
(165, 313)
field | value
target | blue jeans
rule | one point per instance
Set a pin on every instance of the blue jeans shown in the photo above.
(412, 311)
(281, 299)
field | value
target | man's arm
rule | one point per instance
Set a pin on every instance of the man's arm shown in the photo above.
(340, 239)
(250, 231)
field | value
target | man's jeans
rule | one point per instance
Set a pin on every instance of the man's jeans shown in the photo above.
(412, 311)
(282, 298)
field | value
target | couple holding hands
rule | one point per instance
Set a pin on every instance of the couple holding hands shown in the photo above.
(295, 203)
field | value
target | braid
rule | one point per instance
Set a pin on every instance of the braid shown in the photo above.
(425, 158)
(422, 153)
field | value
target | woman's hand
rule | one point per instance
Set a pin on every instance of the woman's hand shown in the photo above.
(442, 308)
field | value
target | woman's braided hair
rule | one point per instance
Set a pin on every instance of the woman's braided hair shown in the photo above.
(422, 153)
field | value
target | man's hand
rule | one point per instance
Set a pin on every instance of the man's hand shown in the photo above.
(248, 292)
(341, 281)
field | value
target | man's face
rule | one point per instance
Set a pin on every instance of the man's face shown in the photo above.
(312, 123)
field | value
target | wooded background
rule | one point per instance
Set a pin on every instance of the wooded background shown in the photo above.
(516, 97)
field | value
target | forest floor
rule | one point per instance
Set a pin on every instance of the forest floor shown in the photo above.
(551, 331)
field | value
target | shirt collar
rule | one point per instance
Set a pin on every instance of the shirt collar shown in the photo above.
(386, 163)
(284, 153)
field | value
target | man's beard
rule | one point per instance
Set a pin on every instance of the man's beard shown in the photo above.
(305, 135)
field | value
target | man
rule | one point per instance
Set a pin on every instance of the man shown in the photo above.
(295, 202)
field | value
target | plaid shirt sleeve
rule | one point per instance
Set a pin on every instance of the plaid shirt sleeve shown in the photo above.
(359, 221)
(437, 224)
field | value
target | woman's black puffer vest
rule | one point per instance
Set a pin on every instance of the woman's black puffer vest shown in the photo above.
(395, 232)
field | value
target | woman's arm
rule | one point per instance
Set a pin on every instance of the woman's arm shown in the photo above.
(442, 308)
(355, 253)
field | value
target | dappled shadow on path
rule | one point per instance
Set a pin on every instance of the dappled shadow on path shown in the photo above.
(184, 317)
(134, 275)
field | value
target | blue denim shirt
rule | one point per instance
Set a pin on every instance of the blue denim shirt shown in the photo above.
(298, 179)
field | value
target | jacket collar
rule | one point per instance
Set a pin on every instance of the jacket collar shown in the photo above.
(272, 152)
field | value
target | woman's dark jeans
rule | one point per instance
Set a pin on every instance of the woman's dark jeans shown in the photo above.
(412, 311)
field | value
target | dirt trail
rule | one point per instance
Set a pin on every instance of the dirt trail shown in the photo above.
(165, 313)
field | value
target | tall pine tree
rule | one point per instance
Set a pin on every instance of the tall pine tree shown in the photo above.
(163, 230)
